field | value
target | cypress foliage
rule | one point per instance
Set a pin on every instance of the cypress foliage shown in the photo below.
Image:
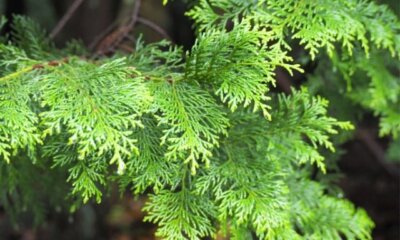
(200, 132)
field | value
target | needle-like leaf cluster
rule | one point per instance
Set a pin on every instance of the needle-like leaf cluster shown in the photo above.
(200, 130)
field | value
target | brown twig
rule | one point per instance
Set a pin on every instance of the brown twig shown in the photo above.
(130, 25)
(112, 40)
(67, 16)
(102, 35)
(154, 26)
(109, 40)
(131, 38)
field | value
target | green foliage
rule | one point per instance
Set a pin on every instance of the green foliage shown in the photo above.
(201, 132)
(181, 215)
(327, 217)
(317, 24)
(150, 169)
(381, 94)
(344, 28)
(217, 59)
(191, 132)
(19, 183)
(2, 22)
(394, 151)
(305, 116)
(30, 37)
(93, 107)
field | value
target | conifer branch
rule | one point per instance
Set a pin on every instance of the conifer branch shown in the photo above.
(186, 126)
(16, 74)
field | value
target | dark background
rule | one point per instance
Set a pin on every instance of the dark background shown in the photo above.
(366, 181)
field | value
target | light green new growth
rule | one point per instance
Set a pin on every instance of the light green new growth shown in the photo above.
(219, 152)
